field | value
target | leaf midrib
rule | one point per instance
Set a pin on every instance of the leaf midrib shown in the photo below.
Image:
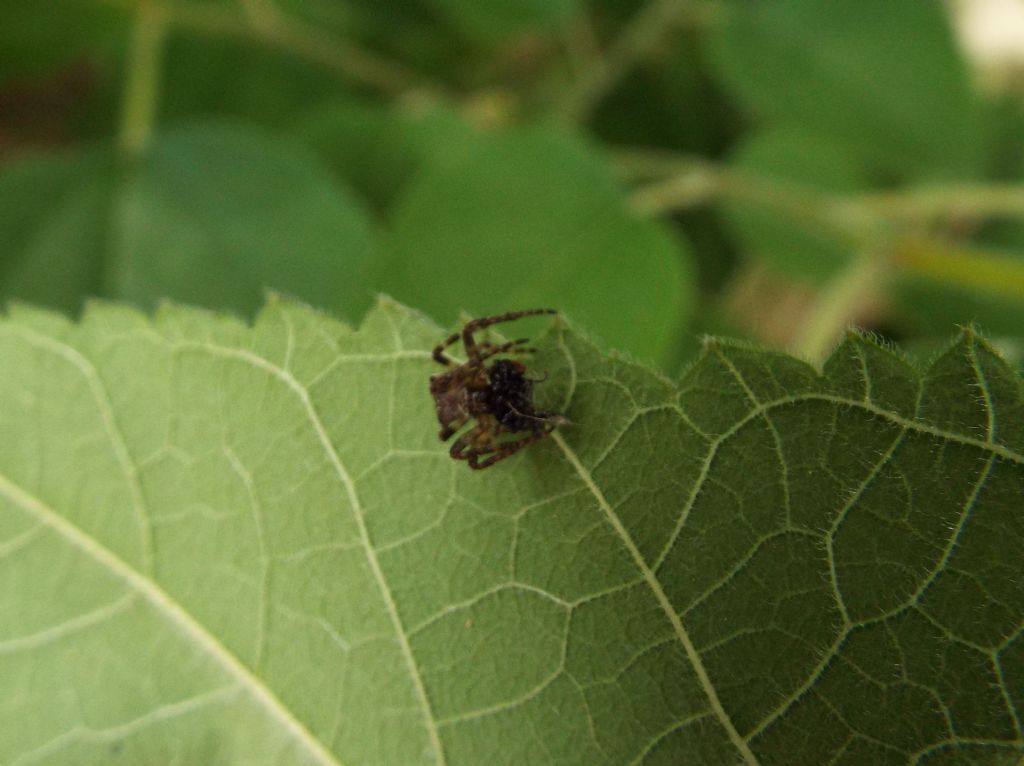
(172, 610)
(758, 409)
(106, 412)
(663, 602)
(430, 721)
(166, 605)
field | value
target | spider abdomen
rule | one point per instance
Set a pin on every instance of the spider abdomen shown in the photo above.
(510, 396)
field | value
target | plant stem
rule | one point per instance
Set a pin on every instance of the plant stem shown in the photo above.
(968, 266)
(836, 305)
(875, 225)
(139, 100)
(684, 181)
(973, 200)
(701, 182)
(648, 27)
(271, 27)
(581, 46)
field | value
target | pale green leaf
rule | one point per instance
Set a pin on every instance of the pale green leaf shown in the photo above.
(884, 80)
(233, 544)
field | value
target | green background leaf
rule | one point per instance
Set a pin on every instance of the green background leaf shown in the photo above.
(535, 218)
(884, 80)
(497, 20)
(224, 543)
(54, 220)
(37, 36)
(811, 165)
(216, 214)
(234, 79)
(378, 150)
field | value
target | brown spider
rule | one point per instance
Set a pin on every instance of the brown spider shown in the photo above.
(498, 396)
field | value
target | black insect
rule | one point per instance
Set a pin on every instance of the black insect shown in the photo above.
(498, 396)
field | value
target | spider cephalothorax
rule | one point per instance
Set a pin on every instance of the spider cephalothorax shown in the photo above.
(498, 396)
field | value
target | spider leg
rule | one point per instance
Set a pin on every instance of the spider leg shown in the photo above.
(450, 428)
(502, 451)
(439, 355)
(463, 447)
(478, 324)
(487, 350)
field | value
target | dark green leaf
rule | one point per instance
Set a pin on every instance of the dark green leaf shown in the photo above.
(241, 79)
(376, 149)
(216, 215)
(54, 227)
(798, 247)
(36, 37)
(497, 20)
(533, 218)
(929, 307)
(668, 101)
(883, 79)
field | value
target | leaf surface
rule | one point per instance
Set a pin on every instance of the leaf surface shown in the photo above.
(36, 37)
(212, 214)
(533, 218)
(798, 248)
(844, 73)
(222, 543)
(500, 20)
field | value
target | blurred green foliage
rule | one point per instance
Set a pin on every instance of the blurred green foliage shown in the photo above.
(642, 166)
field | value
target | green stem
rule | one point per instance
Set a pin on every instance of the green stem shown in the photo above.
(580, 43)
(677, 182)
(701, 182)
(139, 100)
(645, 164)
(968, 266)
(881, 226)
(971, 200)
(644, 32)
(275, 29)
(836, 305)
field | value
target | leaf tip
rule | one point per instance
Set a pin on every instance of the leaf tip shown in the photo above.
(385, 301)
(710, 343)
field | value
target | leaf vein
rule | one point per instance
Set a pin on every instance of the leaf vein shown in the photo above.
(172, 610)
(99, 393)
(662, 598)
(430, 723)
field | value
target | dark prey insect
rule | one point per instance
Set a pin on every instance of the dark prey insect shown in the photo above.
(498, 396)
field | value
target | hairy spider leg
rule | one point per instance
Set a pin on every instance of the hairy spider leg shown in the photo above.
(466, 333)
(450, 429)
(439, 355)
(543, 417)
(463, 446)
(473, 326)
(487, 350)
(496, 453)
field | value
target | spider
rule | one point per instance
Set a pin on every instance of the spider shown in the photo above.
(498, 396)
